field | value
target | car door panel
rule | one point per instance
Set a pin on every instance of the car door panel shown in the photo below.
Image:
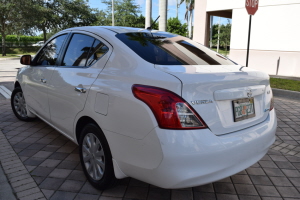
(39, 75)
(37, 88)
(69, 88)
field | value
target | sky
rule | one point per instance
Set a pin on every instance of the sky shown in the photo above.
(155, 12)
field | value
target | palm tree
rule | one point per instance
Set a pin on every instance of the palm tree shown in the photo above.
(190, 5)
(148, 13)
(163, 6)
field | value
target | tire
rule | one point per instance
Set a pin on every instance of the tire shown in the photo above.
(18, 105)
(96, 163)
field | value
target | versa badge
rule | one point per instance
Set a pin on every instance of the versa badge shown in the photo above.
(201, 102)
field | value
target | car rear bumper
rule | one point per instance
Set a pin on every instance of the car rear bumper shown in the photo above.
(196, 157)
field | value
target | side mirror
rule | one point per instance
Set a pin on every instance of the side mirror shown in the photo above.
(25, 60)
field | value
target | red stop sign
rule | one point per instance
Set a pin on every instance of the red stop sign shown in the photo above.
(252, 6)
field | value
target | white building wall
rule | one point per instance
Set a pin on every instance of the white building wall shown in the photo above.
(275, 32)
(273, 28)
(215, 5)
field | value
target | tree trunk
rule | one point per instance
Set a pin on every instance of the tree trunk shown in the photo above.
(148, 13)
(45, 34)
(191, 24)
(3, 44)
(163, 6)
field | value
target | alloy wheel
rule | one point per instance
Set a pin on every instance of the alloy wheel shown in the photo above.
(93, 156)
(20, 104)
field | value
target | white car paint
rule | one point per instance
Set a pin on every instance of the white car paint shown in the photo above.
(205, 82)
(140, 149)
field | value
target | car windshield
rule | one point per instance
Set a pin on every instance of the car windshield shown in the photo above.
(169, 49)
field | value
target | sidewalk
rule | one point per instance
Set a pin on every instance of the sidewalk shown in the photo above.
(45, 165)
(40, 163)
(10, 58)
(5, 189)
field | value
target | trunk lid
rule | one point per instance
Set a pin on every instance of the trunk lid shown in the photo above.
(211, 90)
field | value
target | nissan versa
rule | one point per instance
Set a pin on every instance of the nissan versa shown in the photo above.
(146, 104)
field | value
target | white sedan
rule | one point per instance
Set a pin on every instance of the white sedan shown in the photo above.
(146, 104)
(38, 44)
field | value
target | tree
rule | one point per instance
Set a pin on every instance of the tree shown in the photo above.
(125, 12)
(225, 32)
(102, 18)
(55, 15)
(155, 25)
(174, 26)
(76, 13)
(148, 13)
(214, 34)
(12, 19)
(190, 5)
(163, 13)
(139, 22)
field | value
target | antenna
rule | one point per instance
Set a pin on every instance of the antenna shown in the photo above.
(150, 28)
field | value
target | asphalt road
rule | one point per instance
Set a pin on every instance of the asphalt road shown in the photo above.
(8, 71)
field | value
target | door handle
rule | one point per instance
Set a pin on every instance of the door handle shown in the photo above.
(43, 80)
(79, 89)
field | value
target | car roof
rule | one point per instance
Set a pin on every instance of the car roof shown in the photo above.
(116, 29)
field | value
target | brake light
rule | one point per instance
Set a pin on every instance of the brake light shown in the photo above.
(169, 109)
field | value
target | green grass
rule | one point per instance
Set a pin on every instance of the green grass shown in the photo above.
(8, 55)
(285, 84)
(12, 52)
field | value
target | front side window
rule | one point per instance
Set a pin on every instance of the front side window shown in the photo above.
(83, 51)
(170, 49)
(48, 55)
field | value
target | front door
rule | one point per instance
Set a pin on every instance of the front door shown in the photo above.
(39, 75)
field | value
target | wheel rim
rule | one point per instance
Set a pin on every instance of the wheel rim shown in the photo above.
(93, 156)
(20, 104)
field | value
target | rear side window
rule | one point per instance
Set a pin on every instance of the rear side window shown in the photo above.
(83, 51)
(97, 51)
(169, 49)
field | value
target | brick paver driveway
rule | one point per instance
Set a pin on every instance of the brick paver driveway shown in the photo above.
(53, 170)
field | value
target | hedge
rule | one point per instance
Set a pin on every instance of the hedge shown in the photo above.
(21, 50)
(23, 40)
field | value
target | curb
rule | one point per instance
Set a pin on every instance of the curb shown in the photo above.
(5, 189)
(295, 78)
(23, 185)
(286, 94)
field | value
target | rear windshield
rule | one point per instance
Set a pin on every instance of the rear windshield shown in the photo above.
(170, 49)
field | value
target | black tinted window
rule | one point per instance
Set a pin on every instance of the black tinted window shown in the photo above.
(78, 50)
(83, 51)
(169, 49)
(96, 52)
(48, 55)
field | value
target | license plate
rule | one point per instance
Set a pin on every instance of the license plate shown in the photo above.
(243, 109)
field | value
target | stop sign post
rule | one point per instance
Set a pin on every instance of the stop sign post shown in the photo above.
(251, 7)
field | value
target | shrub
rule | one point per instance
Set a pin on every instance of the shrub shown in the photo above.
(20, 40)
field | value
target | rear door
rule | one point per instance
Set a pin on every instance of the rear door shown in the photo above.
(85, 57)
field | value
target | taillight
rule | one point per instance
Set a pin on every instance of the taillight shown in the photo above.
(170, 110)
